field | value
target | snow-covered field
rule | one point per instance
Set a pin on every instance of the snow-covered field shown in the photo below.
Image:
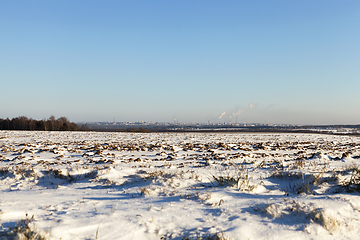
(85, 185)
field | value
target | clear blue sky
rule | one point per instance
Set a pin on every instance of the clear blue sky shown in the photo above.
(295, 62)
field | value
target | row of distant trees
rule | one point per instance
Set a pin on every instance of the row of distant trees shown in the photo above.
(51, 124)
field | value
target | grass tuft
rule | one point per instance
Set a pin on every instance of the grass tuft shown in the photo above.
(23, 230)
(354, 182)
(241, 181)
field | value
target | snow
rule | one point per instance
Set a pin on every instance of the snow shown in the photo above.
(87, 185)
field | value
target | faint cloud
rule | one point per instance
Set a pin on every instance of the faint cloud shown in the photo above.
(253, 105)
(272, 105)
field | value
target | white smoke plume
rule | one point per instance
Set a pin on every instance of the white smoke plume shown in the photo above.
(222, 114)
(238, 112)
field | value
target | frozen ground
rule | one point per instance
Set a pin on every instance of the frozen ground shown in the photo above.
(71, 185)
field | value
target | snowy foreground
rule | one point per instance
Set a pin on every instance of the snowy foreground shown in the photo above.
(71, 185)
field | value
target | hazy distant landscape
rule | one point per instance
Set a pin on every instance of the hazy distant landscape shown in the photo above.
(224, 127)
(63, 124)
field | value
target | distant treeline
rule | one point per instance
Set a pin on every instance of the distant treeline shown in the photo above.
(51, 124)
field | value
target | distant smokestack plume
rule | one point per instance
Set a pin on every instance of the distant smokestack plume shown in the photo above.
(222, 114)
(238, 112)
